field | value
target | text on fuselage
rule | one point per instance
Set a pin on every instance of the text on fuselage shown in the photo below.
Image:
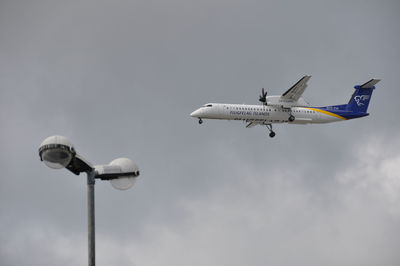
(255, 113)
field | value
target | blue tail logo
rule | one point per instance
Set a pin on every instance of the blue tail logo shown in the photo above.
(361, 98)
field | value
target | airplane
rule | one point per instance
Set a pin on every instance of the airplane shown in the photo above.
(290, 107)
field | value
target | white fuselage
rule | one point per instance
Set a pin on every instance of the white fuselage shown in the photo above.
(264, 114)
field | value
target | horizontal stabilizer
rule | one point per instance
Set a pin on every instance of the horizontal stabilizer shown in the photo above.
(370, 84)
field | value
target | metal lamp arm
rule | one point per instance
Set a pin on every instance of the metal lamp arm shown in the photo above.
(79, 164)
(109, 172)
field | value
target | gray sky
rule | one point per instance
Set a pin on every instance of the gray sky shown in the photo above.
(119, 79)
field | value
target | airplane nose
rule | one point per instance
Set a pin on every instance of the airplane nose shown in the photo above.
(195, 113)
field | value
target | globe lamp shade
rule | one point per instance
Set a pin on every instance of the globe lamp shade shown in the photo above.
(56, 152)
(125, 182)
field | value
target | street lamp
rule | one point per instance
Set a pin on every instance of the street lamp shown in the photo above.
(57, 152)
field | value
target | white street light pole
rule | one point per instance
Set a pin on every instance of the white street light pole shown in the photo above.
(57, 153)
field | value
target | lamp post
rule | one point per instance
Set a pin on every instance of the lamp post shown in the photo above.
(57, 152)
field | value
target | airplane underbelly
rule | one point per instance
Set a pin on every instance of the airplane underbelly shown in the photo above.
(326, 118)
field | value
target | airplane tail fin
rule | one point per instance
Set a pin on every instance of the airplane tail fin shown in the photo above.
(361, 97)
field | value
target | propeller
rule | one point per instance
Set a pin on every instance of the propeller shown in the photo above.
(263, 96)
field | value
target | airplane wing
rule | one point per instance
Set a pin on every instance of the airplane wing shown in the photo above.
(295, 92)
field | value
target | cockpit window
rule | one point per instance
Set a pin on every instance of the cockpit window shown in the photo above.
(208, 105)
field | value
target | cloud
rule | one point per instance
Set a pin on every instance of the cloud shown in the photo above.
(279, 218)
(42, 244)
(255, 217)
(374, 169)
